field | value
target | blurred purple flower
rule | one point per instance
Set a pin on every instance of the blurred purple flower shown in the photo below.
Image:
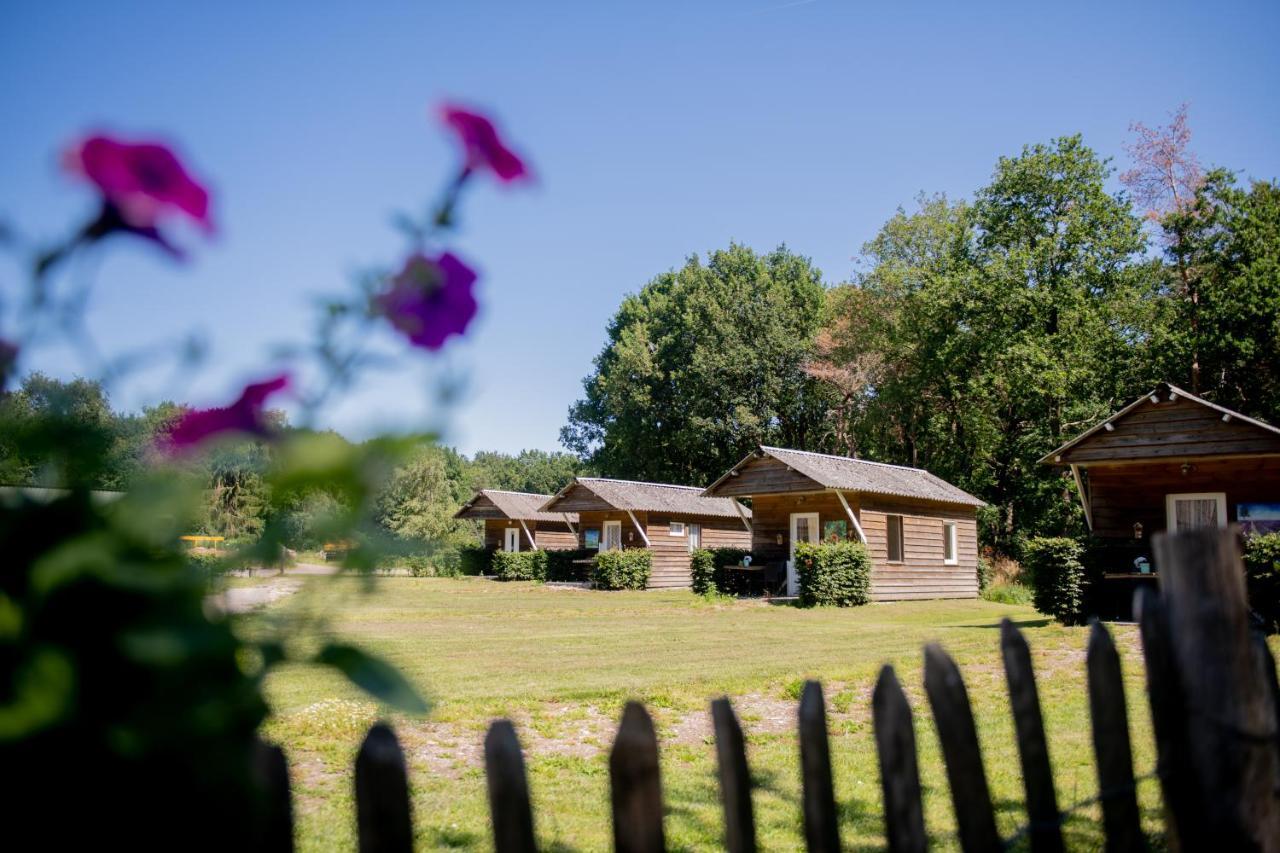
(480, 142)
(143, 181)
(430, 299)
(8, 361)
(245, 415)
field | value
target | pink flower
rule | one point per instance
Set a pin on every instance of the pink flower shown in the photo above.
(143, 181)
(480, 142)
(245, 415)
(430, 299)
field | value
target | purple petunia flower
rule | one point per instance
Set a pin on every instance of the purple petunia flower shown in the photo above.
(481, 144)
(245, 415)
(144, 181)
(430, 299)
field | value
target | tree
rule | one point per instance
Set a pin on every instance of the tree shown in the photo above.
(702, 364)
(535, 471)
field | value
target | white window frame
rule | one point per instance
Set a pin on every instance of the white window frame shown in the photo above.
(675, 528)
(695, 537)
(888, 539)
(507, 539)
(1171, 507)
(604, 535)
(950, 542)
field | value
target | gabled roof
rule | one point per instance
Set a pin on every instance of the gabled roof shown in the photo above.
(1167, 392)
(651, 497)
(522, 506)
(860, 475)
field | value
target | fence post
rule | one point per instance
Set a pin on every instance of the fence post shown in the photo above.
(821, 825)
(735, 779)
(960, 751)
(899, 773)
(636, 787)
(1043, 816)
(509, 808)
(275, 832)
(383, 820)
(1231, 722)
(1112, 752)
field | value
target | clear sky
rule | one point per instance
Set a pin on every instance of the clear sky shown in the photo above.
(657, 130)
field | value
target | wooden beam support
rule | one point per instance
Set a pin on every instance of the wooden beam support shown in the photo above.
(742, 515)
(1084, 496)
(640, 529)
(853, 519)
(532, 541)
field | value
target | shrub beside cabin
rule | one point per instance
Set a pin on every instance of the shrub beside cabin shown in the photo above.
(920, 530)
(514, 522)
(671, 521)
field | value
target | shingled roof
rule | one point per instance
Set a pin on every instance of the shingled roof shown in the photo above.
(522, 506)
(651, 497)
(860, 475)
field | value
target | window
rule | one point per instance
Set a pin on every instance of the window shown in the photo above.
(695, 537)
(511, 541)
(676, 528)
(894, 527)
(1201, 509)
(949, 543)
(591, 537)
(612, 540)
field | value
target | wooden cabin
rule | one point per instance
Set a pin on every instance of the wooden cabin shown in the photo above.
(514, 522)
(1172, 461)
(671, 521)
(920, 530)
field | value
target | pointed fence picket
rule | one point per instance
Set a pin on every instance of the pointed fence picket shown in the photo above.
(1215, 708)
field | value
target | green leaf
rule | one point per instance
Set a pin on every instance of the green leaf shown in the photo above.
(373, 675)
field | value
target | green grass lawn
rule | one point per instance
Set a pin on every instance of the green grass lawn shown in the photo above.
(562, 662)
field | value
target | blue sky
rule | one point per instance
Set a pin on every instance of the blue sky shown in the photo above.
(656, 129)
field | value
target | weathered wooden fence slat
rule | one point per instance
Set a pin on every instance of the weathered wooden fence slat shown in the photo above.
(384, 823)
(1112, 753)
(821, 823)
(275, 831)
(899, 773)
(636, 784)
(735, 779)
(509, 806)
(1045, 821)
(961, 753)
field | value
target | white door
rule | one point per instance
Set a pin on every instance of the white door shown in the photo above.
(804, 528)
(512, 540)
(695, 537)
(612, 538)
(1189, 511)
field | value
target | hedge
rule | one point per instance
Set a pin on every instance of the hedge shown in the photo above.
(475, 561)
(707, 569)
(561, 565)
(520, 565)
(837, 573)
(1262, 574)
(627, 569)
(1057, 577)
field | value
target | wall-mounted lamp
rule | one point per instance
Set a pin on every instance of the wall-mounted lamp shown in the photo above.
(1187, 468)
(779, 538)
(1137, 530)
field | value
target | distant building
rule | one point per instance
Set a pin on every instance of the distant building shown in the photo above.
(513, 522)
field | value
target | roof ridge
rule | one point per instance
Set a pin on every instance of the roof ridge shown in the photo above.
(639, 483)
(513, 492)
(848, 459)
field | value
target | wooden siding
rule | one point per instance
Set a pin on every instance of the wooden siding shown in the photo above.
(764, 476)
(484, 508)
(670, 553)
(549, 535)
(1176, 429)
(1123, 494)
(771, 520)
(580, 499)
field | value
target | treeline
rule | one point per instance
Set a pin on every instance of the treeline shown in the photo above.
(976, 337)
(415, 506)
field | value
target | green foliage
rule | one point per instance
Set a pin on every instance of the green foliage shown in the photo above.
(562, 565)
(626, 569)
(475, 561)
(1262, 573)
(445, 564)
(520, 565)
(1009, 593)
(708, 570)
(1057, 577)
(534, 471)
(702, 570)
(374, 675)
(833, 574)
(702, 364)
(984, 573)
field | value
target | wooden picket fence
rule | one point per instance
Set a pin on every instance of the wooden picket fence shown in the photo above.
(1215, 708)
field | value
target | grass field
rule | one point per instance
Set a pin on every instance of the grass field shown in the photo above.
(562, 662)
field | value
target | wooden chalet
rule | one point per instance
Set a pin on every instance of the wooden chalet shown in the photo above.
(671, 521)
(514, 522)
(1172, 461)
(921, 531)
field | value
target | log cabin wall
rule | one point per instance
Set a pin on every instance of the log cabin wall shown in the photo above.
(1122, 494)
(923, 573)
(764, 476)
(595, 519)
(671, 559)
(552, 536)
(771, 520)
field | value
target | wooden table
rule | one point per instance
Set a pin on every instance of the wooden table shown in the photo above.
(751, 574)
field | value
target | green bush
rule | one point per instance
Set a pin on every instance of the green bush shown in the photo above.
(838, 573)
(520, 565)
(730, 583)
(445, 564)
(627, 569)
(702, 571)
(984, 574)
(707, 570)
(1008, 593)
(1057, 577)
(1262, 574)
(475, 561)
(211, 564)
(561, 565)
